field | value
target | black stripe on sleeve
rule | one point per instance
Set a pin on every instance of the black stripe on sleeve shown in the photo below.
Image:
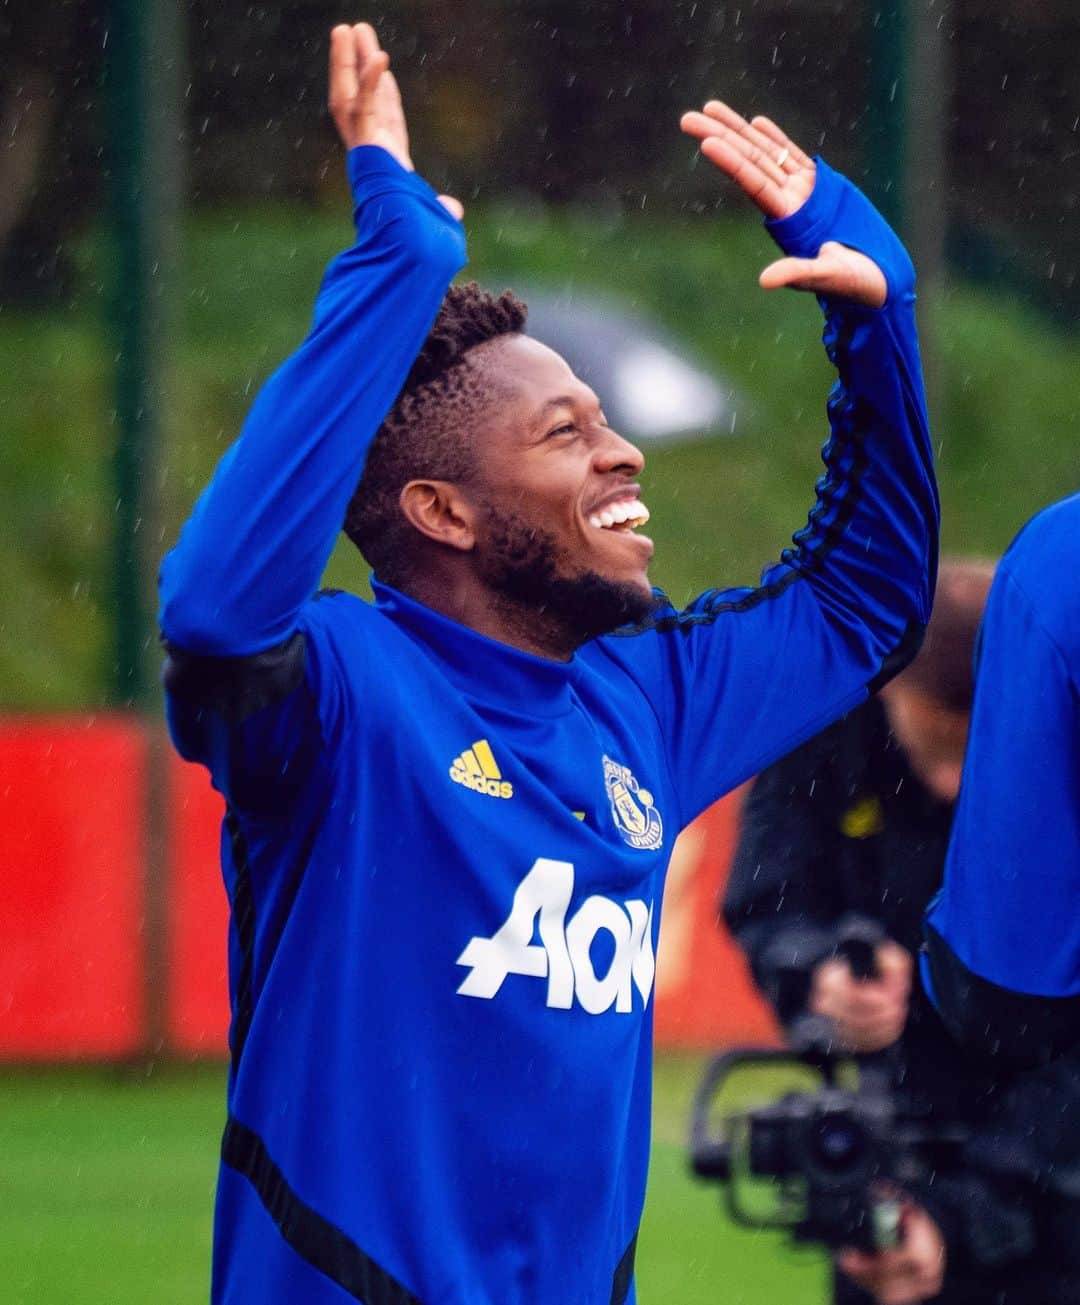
(838, 494)
(243, 919)
(235, 687)
(902, 655)
(1016, 1030)
(315, 1239)
(624, 1274)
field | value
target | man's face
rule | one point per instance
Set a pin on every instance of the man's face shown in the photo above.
(932, 737)
(559, 507)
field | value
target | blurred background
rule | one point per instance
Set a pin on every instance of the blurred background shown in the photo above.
(170, 189)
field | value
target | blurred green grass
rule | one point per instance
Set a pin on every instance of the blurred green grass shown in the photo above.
(1006, 423)
(106, 1190)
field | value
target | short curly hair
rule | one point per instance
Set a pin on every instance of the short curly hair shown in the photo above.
(425, 435)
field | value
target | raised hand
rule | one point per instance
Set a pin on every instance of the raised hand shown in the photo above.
(779, 177)
(772, 170)
(365, 102)
(364, 99)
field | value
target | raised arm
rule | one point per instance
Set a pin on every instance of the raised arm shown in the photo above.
(244, 693)
(742, 676)
(261, 533)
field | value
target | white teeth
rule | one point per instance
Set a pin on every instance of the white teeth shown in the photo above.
(616, 514)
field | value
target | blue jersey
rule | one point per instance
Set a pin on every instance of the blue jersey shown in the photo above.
(445, 856)
(1003, 934)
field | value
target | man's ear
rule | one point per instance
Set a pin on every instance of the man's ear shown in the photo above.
(439, 510)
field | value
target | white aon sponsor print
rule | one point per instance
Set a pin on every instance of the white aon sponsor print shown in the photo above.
(562, 954)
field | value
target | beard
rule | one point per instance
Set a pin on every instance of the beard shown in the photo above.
(522, 567)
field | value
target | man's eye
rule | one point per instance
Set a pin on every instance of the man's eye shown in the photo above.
(567, 429)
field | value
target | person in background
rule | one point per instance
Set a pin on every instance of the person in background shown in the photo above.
(856, 822)
(847, 837)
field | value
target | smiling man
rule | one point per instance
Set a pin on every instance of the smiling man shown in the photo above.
(523, 525)
(450, 812)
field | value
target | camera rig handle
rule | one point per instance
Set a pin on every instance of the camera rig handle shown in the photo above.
(838, 1157)
(822, 1200)
(710, 1153)
(857, 940)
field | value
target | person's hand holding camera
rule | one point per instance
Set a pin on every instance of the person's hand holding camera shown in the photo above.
(911, 1273)
(869, 1014)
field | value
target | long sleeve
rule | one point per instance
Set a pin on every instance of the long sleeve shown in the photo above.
(742, 676)
(261, 533)
(245, 693)
(1002, 955)
(1002, 960)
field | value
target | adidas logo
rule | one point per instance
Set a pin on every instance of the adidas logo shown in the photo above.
(476, 769)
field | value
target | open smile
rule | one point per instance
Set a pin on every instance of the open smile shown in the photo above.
(622, 515)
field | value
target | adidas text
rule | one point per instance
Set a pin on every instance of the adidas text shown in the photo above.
(480, 784)
(477, 769)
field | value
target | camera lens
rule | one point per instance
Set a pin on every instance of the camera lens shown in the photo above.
(838, 1142)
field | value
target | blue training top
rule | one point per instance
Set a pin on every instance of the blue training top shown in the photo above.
(445, 856)
(1003, 934)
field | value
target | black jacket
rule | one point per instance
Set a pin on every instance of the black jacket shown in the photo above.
(843, 826)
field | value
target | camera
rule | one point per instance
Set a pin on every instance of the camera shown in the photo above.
(829, 1156)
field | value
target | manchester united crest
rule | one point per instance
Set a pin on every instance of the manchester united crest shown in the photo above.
(636, 817)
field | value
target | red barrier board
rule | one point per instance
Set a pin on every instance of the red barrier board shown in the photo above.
(71, 848)
(197, 1012)
(72, 949)
(705, 997)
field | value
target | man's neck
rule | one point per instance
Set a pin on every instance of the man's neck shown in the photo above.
(498, 616)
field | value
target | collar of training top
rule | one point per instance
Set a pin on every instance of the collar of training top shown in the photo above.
(485, 669)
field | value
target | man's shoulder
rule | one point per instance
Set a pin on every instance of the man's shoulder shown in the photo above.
(649, 652)
(349, 639)
(330, 611)
(1050, 537)
(1042, 570)
(666, 625)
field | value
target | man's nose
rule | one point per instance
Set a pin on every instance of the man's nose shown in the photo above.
(614, 453)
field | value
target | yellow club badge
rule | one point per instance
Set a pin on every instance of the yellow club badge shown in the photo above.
(632, 808)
